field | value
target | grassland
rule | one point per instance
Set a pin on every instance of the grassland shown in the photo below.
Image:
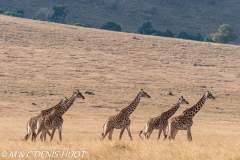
(42, 62)
(193, 17)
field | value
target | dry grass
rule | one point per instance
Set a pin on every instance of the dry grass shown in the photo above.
(43, 62)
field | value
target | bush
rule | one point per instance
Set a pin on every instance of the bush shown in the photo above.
(168, 33)
(225, 34)
(43, 14)
(82, 25)
(13, 14)
(59, 12)
(146, 28)
(208, 38)
(111, 26)
(184, 35)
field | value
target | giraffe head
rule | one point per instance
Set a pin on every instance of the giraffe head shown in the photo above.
(78, 94)
(143, 94)
(182, 100)
(209, 95)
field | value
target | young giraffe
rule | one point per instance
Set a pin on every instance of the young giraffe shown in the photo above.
(161, 121)
(32, 123)
(54, 120)
(184, 121)
(121, 120)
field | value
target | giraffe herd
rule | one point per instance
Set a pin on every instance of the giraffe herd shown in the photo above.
(51, 119)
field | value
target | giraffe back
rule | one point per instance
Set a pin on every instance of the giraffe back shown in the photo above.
(48, 111)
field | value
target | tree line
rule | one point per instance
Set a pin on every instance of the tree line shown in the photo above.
(58, 14)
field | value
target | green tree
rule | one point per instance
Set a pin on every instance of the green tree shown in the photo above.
(111, 26)
(208, 38)
(225, 34)
(183, 35)
(168, 33)
(59, 12)
(146, 28)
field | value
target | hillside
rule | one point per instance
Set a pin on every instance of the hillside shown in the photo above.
(203, 16)
(43, 62)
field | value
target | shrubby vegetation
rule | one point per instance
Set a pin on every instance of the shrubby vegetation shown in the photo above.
(58, 13)
(19, 13)
(147, 28)
(184, 35)
(111, 26)
(225, 34)
(43, 14)
(82, 25)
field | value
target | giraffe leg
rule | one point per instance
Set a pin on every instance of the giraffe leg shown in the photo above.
(159, 132)
(53, 131)
(110, 134)
(42, 136)
(165, 133)
(121, 133)
(148, 133)
(189, 135)
(129, 132)
(174, 133)
(105, 132)
(60, 132)
(34, 135)
(27, 136)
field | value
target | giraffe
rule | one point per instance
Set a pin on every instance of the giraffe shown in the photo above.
(54, 120)
(121, 120)
(161, 121)
(32, 122)
(184, 121)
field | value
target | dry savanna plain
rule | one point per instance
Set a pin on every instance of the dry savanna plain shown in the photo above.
(43, 62)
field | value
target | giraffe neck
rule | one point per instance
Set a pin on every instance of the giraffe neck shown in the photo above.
(48, 111)
(171, 111)
(129, 109)
(194, 109)
(67, 105)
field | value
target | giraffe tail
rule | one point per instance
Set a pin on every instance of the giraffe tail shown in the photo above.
(28, 132)
(103, 131)
(141, 132)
